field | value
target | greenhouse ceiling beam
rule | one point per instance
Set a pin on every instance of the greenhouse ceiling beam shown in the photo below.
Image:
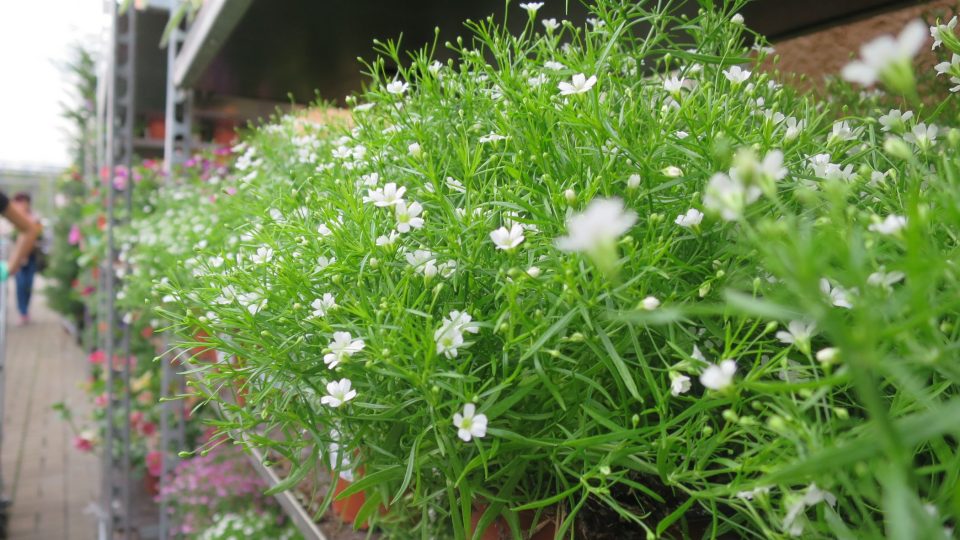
(209, 31)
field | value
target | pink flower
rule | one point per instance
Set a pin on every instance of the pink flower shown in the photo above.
(154, 462)
(97, 357)
(101, 400)
(148, 429)
(82, 443)
(135, 418)
(74, 237)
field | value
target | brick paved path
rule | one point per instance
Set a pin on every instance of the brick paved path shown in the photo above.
(50, 482)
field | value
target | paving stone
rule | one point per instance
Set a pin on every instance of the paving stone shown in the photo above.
(50, 482)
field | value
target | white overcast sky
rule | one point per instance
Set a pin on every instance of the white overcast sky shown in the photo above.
(36, 37)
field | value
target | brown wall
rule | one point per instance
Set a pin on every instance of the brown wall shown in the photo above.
(826, 51)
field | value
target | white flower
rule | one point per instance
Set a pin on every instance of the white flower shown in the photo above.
(842, 132)
(890, 225)
(507, 239)
(895, 120)
(324, 230)
(491, 137)
(827, 355)
(383, 240)
(364, 107)
(550, 24)
(940, 31)
(718, 377)
(736, 75)
(922, 135)
(692, 218)
(798, 333)
(737, 18)
(650, 303)
(449, 337)
(793, 128)
(633, 182)
(672, 171)
(469, 424)
(679, 384)
(455, 184)
(728, 196)
(414, 149)
(338, 393)
(263, 255)
(407, 216)
(945, 67)
(389, 195)
(697, 355)
(555, 66)
(750, 494)
(420, 257)
(533, 271)
(812, 496)
(397, 87)
(215, 262)
(537, 80)
(323, 262)
(252, 301)
(531, 7)
(838, 296)
(882, 56)
(447, 269)
(600, 224)
(884, 279)
(673, 84)
(578, 85)
(342, 347)
(322, 305)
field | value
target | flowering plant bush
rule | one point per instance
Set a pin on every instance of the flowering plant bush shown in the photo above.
(218, 495)
(606, 276)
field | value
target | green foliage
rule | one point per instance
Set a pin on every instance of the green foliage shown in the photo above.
(598, 332)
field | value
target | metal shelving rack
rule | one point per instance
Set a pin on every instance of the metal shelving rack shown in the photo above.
(118, 152)
(176, 148)
(189, 54)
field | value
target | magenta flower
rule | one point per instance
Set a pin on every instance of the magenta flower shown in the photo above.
(74, 237)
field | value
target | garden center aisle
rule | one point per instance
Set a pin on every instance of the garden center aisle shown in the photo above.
(50, 482)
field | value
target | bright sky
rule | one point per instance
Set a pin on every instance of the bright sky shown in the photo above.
(36, 37)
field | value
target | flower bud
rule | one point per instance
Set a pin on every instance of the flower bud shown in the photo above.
(895, 147)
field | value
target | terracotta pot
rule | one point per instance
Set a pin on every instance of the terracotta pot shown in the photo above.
(203, 354)
(546, 529)
(347, 508)
(156, 128)
(224, 133)
(239, 390)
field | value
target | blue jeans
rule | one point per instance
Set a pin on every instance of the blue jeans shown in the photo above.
(24, 279)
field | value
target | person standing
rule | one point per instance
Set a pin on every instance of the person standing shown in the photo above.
(23, 259)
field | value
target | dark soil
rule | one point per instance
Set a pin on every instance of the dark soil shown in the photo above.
(597, 521)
